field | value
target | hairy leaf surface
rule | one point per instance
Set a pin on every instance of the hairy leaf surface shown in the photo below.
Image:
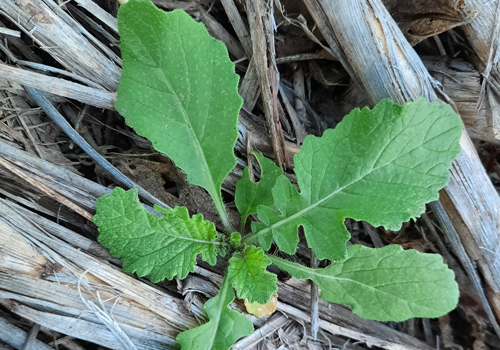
(384, 284)
(224, 328)
(249, 195)
(379, 165)
(178, 88)
(248, 275)
(162, 247)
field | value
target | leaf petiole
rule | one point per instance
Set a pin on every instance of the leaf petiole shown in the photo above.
(252, 238)
(225, 325)
(224, 288)
(221, 210)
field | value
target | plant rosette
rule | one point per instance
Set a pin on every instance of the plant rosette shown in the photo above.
(178, 88)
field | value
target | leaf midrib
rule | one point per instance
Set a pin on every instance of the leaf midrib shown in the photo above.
(220, 306)
(312, 272)
(212, 190)
(183, 238)
(166, 233)
(185, 115)
(324, 199)
(306, 209)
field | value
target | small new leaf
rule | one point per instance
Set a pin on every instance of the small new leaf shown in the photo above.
(179, 89)
(162, 247)
(224, 328)
(235, 240)
(381, 165)
(384, 284)
(248, 275)
(249, 195)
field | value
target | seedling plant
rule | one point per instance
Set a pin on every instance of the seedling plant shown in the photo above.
(179, 89)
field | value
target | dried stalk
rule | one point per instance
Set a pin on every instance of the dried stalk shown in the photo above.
(378, 56)
(15, 336)
(263, 50)
(484, 35)
(61, 36)
(57, 86)
(66, 127)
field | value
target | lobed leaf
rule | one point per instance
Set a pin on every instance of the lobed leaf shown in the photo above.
(249, 195)
(381, 165)
(384, 284)
(178, 88)
(162, 247)
(224, 328)
(248, 275)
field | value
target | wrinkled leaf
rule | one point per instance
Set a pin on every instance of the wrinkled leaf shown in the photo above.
(178, 88)
(384, 284)
(249, 195)
(248, 275)
(235, 240)
(381, 166)
(225, 327)
(162, 247)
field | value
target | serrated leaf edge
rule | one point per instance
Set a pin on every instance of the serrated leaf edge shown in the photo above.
(252, 268)
(115, 252)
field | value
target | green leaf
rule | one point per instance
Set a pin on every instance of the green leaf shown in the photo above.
(249, 195)
(248, 275)
(224, 328)
(235, 240)
(162, 247)
(178, 88)
(381, 166)
(384, 284)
